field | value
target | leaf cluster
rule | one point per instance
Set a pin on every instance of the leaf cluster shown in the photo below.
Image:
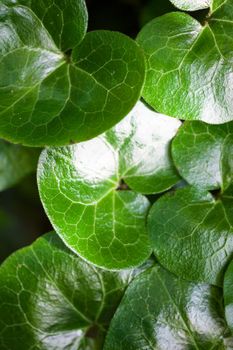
(136, 178)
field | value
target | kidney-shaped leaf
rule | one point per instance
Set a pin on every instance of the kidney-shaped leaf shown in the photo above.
(203, 154)
(191, 5)
(161, 311)
(192, 234)
(82, 191)
(15, 163)
(189, 66)
(51, 299)
(49, 97)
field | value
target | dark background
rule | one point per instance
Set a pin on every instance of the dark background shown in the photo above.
(22, 218)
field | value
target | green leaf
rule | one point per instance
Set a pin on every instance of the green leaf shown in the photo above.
(66, 21)
(15, 163)
(192, 234)
(51, 299)
(203, 154)
(82, 191)
(228, 295)
(160, 311)
(50, 97)
(191, 5)
(189, 66)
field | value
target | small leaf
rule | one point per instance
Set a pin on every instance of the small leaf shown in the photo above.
(203, 154)
(50, 299)
(82, 188)
(192, 234)
(15, 163)
(189, 66)
(50, 97)
(160, 311)
(191, 5)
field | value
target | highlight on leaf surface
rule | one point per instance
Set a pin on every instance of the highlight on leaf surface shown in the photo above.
(161, 311)
(59, 85)
(191, 5)
(228, 295)
(15, 163)
(51, 299)
(189, 65)
(92, 191)
(192, 233)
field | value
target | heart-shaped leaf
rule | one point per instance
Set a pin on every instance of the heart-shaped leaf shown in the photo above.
(189, 66)
(228, 295)
(82, 191)
(191, 5)
(50, 299)
(160, 311)
(192, 233)
(15, 163)
(203, 154)
(52, 97)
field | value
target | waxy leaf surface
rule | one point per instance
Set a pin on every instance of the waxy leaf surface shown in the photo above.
(66, 21)
(15, 163)
(191, 5)
(189, 66)
(50, 299)
(160, 311)
(228, 295)
(203, 154)
(83, 195)
(56, 88)
(192, 234)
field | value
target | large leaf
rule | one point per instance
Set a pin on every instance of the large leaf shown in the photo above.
(228, 295)
(15, 163)
(161, 312)
(82, 191)
(203, 154)
(189, 66)
(52, 98)
(192, 233)
(191, 5)
(50, 299)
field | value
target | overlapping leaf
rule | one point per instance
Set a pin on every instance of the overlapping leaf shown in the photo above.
(66, 21)
(228, 295)
(191, 5)
(192, 233)
(54, 97)
(15, 163)
(82, 191)
(51, 299)
(160, 311)
(189, 65)
(203, 154)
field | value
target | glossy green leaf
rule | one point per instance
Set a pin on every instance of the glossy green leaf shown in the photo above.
(191, 5)
(66, 21)
(15, 163)
(228, 295)
(192, 234)
(82, 191)
(161, 312)
(49, 97)
(189, 66)
(50, 299)
(203, 154)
